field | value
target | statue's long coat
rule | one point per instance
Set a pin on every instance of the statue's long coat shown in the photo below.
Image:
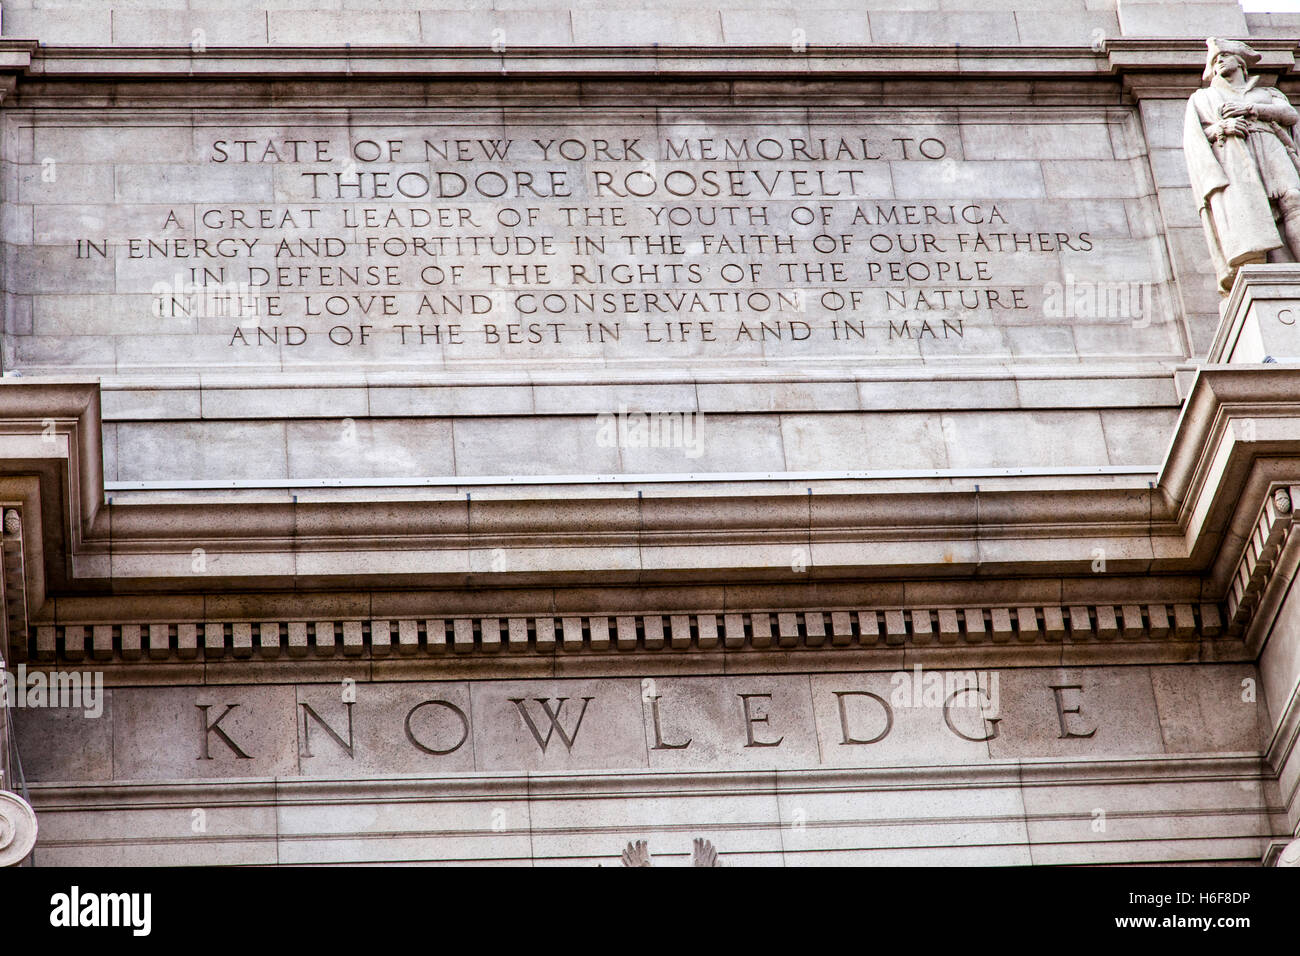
(1234, 205)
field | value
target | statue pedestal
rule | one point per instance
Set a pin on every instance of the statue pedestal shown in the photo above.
(1261, 320)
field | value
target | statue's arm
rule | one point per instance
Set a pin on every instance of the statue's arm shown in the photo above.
(1219, 129)
(1213, 127)
(1278, 111)
(1206, 173)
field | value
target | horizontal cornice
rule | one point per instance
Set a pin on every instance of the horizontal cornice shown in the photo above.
(1202, 535)
(424, 60)
(1237, 434)
(1107, 57)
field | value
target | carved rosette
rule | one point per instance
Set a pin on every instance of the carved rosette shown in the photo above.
(1282, 500)
(17, 828)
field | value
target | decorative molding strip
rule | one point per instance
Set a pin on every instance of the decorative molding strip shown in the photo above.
(1259, 559)
(547, 634)
(650, 478)
(1177, 540)
(1281, 748)
(1119, 55)
(1240, 825)
(1084, 772)
(32, 58)
(13, 579)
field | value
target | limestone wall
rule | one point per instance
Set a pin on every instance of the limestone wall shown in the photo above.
(773, 309)
(1076, 765)
(813, 281)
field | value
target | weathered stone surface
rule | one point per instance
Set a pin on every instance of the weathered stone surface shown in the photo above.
(64, 743)
(569, 725)
(628, 241)
(1079, 712)
(183, 733)
(356, 728)
(1194, 18)
(735, 722)
(557, 407)
(391, 728)
(862, 721)
(1218, 711)
(1260, 318)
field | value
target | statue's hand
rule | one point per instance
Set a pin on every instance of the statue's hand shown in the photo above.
(1229, 126)
(1238, 108)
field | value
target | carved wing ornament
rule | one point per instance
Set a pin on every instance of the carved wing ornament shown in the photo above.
(703, 853)
(637, 854)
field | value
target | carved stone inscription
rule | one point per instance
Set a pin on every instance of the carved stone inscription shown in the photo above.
(743, 722)
(743, 238)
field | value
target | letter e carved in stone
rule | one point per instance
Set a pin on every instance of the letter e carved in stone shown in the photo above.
(1062, 712)
(752, 719)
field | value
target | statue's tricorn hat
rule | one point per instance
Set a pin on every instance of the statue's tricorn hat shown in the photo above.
(1235, 47)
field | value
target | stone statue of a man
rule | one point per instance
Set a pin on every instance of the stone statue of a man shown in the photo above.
(1243, 164)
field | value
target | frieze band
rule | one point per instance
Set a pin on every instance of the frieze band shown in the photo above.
(544, 634)
(716, 721)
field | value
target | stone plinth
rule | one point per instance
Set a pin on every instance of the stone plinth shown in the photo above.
(1261, 319)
